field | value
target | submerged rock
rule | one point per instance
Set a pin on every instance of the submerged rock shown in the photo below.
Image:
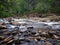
(22, 28)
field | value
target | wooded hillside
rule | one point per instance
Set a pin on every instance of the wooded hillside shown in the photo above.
(21, 7)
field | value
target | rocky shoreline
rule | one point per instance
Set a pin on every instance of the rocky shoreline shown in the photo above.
(17, 32)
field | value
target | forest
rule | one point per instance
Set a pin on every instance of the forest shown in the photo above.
(22, 7)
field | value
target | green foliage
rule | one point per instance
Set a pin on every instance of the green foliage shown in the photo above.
(21, 7)
(55, 6)
(42, 7)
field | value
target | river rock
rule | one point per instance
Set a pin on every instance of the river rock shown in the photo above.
(1, 23)
(48, 43)
(55, 36)
(2, 27)
(44, 34)
(8, 39)
(6, 33)
(1, 37)
(14, 23)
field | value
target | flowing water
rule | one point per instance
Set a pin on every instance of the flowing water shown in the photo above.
(24, 36)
